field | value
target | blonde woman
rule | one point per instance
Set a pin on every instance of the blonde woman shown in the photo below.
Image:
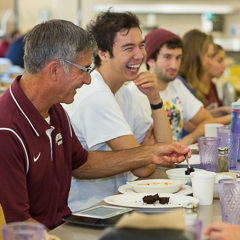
(196, 62)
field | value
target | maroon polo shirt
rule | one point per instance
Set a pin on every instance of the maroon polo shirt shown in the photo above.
(35, 169)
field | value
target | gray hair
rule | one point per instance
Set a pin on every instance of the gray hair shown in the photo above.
(55, 39)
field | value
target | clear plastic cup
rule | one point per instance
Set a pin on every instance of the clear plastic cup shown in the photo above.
(231, 141)
(229, 193)
(23, 231)
(194, 225)
(224, 129)
(208, 151)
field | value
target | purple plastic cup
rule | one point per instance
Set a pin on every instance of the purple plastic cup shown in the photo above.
(224, 129)
(231, 141)
(194, 225)
(208, 151)
(229, 193)
(23, 230)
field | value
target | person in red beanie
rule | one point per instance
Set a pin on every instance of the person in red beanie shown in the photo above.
(164, 55)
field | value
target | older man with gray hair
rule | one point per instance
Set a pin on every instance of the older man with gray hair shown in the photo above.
(39, 149)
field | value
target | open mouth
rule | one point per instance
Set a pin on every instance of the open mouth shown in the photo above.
(134, 67)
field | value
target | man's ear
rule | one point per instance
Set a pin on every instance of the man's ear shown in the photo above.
(53, 68)
(151, 63)
(103, 55)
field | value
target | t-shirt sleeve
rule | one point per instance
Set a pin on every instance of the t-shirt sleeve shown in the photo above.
(79, 156)
(191, 105)
(13, 188)
(141, 119)
(99, 119)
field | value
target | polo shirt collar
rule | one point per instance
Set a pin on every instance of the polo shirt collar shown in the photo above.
(35, 119)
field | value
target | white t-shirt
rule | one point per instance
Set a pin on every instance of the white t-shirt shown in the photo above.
(180, 104)
(98, 116)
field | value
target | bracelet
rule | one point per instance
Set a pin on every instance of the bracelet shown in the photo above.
(156, 106)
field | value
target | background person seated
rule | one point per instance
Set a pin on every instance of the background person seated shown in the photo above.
(164, 54)
(197, 59)
(6, 41)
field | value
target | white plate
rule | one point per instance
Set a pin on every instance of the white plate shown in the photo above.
(194, 160)
(179, 173)
(157, 185)
(184, 190)
(193, 147)
(134, 200)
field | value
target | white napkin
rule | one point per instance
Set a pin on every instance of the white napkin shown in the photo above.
(139, 220)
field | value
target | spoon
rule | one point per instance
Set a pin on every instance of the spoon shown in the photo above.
(189, 168)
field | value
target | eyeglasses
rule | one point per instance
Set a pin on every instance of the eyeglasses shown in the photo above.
(88, 70)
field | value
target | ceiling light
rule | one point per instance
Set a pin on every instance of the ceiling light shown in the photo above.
(166, 8)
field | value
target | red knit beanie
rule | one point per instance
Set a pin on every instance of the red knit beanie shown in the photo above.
(155, 38)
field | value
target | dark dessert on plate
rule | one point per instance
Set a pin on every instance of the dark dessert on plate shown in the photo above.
(189, 170)
(151, 199)
(164, 200)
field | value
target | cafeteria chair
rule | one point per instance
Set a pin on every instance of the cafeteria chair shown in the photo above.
(2, 221)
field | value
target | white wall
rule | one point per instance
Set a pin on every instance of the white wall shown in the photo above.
(177, 23)
(67, 9)
(29, 11)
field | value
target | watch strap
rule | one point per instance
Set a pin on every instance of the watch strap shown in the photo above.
(156, 106)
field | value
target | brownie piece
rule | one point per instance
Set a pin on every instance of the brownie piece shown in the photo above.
(164, 200)
(150, 199)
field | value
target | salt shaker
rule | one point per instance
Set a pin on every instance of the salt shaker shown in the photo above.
(190, 211)
(222, 165)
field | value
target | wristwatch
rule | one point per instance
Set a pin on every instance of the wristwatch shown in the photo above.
(156, 106)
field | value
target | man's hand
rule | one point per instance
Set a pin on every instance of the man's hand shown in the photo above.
(149, 138)
(147, 84)
(170, 152)
(222, 231)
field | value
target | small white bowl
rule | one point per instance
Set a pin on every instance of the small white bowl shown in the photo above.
(219, 177)
(179, 174)
(157, 185)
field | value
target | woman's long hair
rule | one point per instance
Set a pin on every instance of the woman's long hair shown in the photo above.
(196, 44)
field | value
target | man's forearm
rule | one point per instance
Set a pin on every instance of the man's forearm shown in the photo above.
(104, 164)
(193, 136)
(162, 129)
(144, 171)
(100, 164)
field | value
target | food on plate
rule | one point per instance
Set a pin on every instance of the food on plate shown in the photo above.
(148, 184)
(164, 200)
(189, 170)
(151, 199)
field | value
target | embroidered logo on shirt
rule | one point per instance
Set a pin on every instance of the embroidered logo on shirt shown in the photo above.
(35, 159)
(59, 138)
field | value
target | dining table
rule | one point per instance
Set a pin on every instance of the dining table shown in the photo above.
(208, 214)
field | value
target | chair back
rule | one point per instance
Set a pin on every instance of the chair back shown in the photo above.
(2, 221)
(229, 94)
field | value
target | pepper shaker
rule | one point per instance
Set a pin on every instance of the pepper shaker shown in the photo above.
(222, 165)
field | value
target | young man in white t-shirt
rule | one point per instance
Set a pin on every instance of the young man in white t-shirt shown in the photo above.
(164, 54)
(105, 114)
